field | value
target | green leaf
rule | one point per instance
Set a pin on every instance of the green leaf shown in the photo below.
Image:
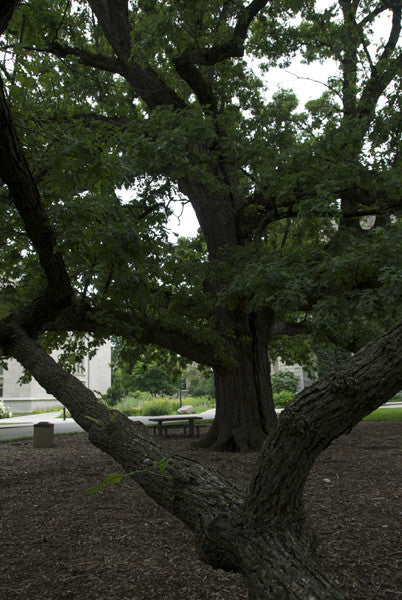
(111, 479)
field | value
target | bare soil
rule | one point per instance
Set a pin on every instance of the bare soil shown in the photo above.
(57, 542)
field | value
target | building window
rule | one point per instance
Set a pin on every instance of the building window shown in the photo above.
(79, 369)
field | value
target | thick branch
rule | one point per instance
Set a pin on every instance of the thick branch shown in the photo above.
(232, 48)
(7, 8)
(196, 494)
(15, 172)
(383, 72)
(145, 82)
(98, 61)
(321, 413)
(185, 64)
(79, 317)
(113, 18)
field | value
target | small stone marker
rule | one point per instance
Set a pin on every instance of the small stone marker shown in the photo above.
(43, 435)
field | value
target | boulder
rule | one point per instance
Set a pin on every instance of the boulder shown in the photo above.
(186, 410)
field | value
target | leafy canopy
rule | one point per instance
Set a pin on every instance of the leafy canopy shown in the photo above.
(168, 105)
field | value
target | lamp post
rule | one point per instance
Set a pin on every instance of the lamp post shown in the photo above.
(178, 360)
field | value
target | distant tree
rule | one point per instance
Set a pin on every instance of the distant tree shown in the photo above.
(284, 380)
(200, 383)
(149, 377)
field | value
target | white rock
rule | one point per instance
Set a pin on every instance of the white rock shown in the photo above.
(327, 480)
(186, 410)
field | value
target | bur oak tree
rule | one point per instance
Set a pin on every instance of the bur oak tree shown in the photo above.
(54, 279)
(161, 98)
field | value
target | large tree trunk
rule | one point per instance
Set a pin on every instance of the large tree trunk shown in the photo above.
(245, 412)
(263, 534)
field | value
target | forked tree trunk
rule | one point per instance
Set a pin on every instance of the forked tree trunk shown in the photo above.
(245, 412)
(262, 534)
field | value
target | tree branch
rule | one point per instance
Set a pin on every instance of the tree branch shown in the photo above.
(145, 82)
(98, 61)
(232, 48)
(382, 73)
(288, 328)
(81, 317)
(369, 18)
(113, 19)
(321, 413)
(188, 490)
(7, 8)
(15, 172)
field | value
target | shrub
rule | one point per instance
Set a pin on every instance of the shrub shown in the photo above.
(67, 415)
(200, 403)
(5, 412)
(126, 406)
(138, 398)
(144, 404)
(201, 385)
(284, 380)
(160, 406)
(283, 398)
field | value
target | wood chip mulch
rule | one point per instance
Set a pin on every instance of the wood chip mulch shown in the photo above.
(57, 542)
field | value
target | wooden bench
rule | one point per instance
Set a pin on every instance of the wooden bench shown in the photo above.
(199, 426)
(165, 428)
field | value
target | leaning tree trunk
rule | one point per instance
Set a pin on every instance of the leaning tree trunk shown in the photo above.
(264, 533)
(245, 412)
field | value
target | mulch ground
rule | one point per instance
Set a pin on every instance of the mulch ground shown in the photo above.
(59, 542)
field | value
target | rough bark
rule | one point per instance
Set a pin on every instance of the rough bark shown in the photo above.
(245, 412)
(6, 12)
(263, 534)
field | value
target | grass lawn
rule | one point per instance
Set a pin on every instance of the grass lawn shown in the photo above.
(385, 414)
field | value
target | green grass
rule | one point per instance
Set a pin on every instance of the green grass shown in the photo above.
(385, 414)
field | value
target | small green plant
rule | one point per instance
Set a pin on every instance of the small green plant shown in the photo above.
(200, 403)
(67, 414)
(159, 468)
(284, 380)
(283, 398)
(127, 406)
(138, 398)
(5, 412)
(144, 404)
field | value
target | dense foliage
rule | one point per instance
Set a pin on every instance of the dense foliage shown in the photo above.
(284, 380)
(123, 108)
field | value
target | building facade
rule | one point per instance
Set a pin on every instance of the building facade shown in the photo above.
(93, 372)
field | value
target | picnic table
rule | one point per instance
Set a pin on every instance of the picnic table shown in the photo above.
(184, 421)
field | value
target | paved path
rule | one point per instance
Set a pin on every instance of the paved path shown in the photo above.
(18, 427)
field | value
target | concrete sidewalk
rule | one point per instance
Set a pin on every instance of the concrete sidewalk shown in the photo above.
(17, 427)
